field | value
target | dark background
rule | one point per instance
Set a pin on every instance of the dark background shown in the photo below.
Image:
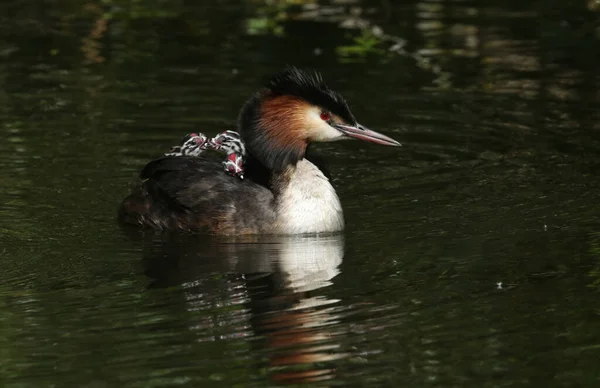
(471, 255)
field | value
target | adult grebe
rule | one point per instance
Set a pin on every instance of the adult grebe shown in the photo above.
(283, 191)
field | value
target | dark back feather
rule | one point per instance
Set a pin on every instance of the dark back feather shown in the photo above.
(193, 193)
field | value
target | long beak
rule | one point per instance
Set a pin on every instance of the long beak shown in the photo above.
(363, 133)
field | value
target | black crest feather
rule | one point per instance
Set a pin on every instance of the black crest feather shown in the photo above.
(309, 86)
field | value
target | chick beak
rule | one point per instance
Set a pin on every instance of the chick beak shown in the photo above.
(362, 133)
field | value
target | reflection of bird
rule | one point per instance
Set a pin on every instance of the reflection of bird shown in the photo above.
(270, 290)
(282, 193)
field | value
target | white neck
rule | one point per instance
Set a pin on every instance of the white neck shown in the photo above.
(308, 203)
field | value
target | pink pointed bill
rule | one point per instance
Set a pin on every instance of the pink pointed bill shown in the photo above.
(362, 133)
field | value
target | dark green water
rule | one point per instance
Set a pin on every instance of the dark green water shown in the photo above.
(471, 256)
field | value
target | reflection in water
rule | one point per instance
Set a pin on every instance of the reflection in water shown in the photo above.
(270, 288)
(497, 183)
(91, 45)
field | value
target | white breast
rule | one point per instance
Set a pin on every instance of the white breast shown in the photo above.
(309, 203)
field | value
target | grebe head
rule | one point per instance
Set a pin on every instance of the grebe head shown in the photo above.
(296, 108)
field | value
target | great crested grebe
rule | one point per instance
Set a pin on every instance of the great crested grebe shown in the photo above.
(283, 192)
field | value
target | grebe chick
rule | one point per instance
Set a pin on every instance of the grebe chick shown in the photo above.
(228, 142)
(283, 191)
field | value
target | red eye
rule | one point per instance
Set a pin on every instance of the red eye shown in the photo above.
(325, 116)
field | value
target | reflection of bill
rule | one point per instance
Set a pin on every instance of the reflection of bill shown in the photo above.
(267, 292)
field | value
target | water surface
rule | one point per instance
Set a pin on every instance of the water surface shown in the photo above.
(471, 255)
